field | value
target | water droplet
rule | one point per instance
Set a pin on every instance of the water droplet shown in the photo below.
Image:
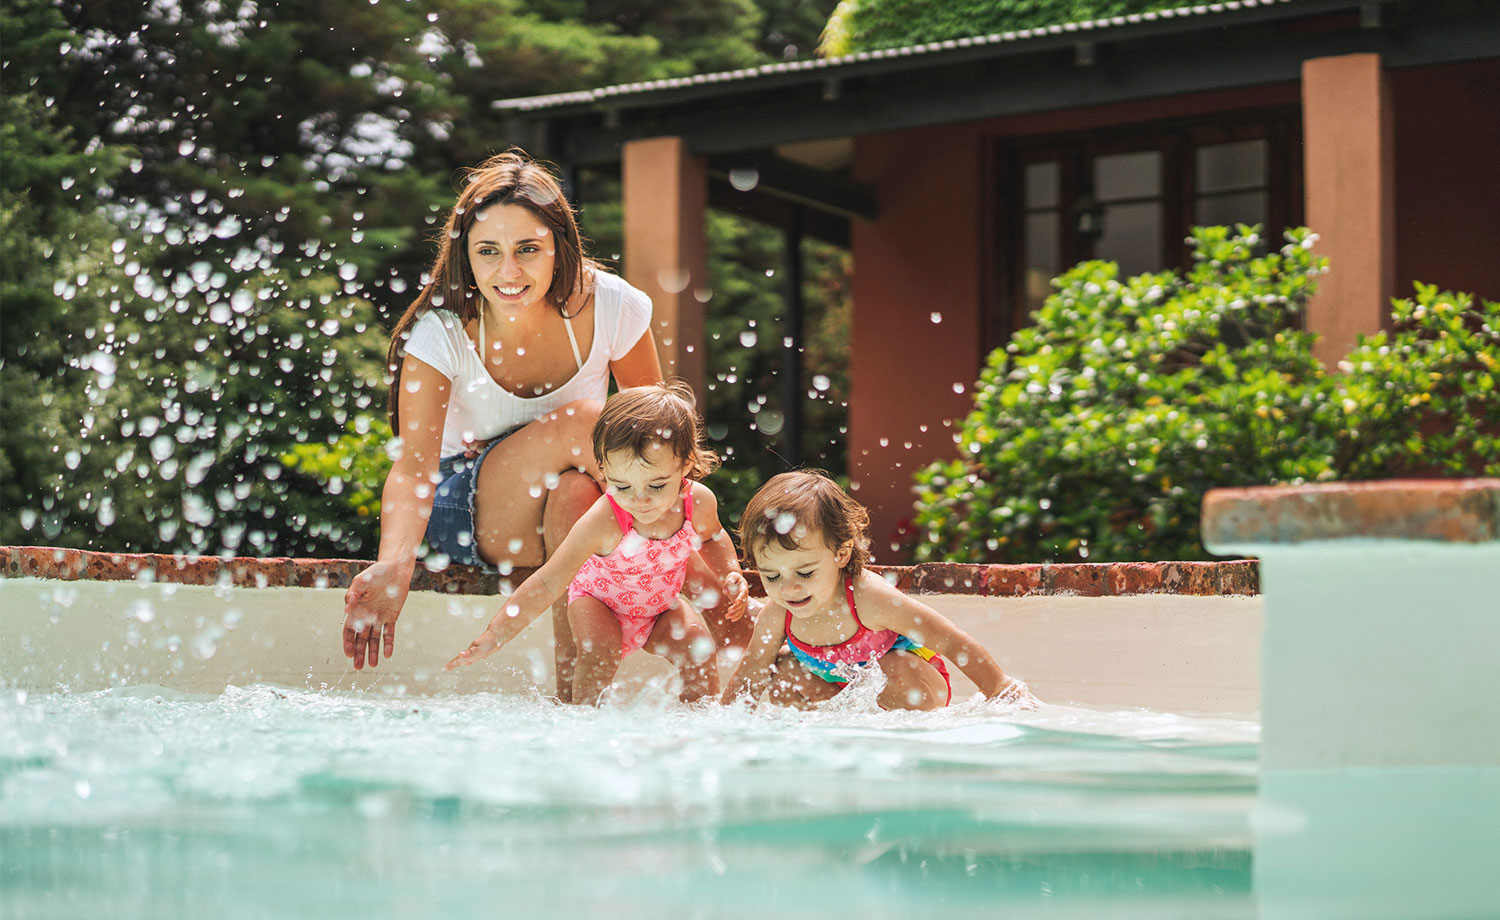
(748, 338)
(821, 383)
(744, 179)
(936, 317)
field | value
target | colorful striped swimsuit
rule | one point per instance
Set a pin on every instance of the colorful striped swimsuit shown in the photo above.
(641, 577)
(835, 663)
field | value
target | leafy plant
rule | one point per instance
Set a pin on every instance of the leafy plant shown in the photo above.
(1096, 431)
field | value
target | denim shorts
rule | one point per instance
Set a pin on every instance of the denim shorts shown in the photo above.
(450, 530)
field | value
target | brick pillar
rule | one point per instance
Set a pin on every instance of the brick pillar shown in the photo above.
(1349, 148)
(666, 195)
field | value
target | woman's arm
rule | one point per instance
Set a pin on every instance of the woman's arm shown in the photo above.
(881, 606)
(596, 532)
(640, 365)
(717, 551)
(375, 598)
(754, 670)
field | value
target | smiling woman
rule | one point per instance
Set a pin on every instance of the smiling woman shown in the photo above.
(499, 369)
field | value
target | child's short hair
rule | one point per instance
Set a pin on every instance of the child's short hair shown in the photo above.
(659, 413)
(792, 508)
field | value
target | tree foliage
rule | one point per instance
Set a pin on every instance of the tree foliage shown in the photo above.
(212, 211)
(1096, 431)
(867, 25)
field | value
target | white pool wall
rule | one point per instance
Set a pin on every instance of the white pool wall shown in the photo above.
(1189, 653)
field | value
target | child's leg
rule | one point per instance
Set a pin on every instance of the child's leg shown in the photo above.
(596, 637)
(911, 682)
(794, 685)
(681, 637)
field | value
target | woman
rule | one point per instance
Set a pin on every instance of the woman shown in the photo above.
(501, 365)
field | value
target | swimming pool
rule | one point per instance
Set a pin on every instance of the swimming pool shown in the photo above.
(180, 733)
(267, 801)
(198, 746)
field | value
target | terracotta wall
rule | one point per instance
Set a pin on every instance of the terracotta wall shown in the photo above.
(910, 374)
(1448, 176)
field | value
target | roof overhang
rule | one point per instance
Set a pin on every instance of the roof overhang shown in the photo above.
(738, 118)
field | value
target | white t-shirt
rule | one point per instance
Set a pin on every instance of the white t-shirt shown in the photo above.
(479, 408)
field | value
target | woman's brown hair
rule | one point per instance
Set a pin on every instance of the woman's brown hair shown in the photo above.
(659, 413)
(801, 506)
(511, 177)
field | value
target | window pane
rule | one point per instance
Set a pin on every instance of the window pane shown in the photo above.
(1042, 258)
(1132, 237)
(1240, 165)
(1041, 185)
(1233, 208)
(1128, 175)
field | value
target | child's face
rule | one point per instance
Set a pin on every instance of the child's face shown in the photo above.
(647, 486)
(806, 580)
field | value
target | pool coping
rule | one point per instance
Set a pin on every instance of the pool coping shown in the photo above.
(1083, 579)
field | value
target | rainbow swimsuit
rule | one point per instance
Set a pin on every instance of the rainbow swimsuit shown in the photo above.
(834, 663)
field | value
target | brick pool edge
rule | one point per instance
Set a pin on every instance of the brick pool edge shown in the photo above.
(1087, 579)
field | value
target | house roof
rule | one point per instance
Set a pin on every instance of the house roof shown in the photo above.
(1190, 17)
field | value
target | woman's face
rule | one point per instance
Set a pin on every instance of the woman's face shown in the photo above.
(511, 253)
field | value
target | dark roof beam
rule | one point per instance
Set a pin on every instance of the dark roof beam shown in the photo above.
(781, 178)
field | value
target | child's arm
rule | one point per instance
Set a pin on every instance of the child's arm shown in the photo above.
(754, 670)
(881, 606)
(717, 551)
(596, 532)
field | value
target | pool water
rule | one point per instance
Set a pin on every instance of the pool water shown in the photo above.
(273, 802)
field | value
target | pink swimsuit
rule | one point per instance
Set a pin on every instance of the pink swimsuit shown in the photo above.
(639, 580)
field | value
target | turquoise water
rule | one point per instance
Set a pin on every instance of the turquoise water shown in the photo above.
(273, 802)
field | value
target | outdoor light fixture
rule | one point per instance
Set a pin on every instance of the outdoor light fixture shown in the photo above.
(1088, 217)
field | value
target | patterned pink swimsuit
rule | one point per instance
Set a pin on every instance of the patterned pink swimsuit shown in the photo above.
(640, 578)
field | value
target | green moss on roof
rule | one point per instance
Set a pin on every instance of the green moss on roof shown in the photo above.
(868, 25)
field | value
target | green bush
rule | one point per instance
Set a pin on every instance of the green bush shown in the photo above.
(1096, 431)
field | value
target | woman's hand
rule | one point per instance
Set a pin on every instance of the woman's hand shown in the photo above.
(371, 606)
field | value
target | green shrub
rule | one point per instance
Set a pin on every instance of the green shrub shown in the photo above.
(1096, 431)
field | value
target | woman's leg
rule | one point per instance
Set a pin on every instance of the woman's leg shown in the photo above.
(597, 638)
(529, 493)
(681, 637)
(796, 686)
(911, 682)
(727, 634)
(574, 494)
(519, 477)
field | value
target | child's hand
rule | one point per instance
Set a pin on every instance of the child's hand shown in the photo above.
(738, 591)
(483, 647)
(1016, 693)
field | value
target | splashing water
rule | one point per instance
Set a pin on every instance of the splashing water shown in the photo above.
(280, 802)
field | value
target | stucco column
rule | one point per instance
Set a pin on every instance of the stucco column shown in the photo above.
(666, 194)
(1349, 157)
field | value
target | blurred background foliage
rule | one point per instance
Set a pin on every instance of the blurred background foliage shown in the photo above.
(213, 210)
(867, 25)
(1097, 430)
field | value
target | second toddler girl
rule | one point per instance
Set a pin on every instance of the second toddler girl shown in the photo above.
(807, 539)
(624, 563)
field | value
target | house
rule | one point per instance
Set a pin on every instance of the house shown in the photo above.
(964, 174)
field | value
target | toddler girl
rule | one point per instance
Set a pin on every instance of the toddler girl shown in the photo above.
(627, 555)
(807, 539)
